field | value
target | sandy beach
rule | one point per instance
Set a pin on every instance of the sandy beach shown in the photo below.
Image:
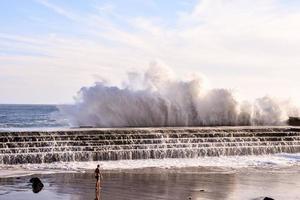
(200, 183)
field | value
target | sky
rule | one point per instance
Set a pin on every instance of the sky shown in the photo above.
(49, 49)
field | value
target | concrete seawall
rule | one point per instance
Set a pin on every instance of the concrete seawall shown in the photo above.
(144, 143)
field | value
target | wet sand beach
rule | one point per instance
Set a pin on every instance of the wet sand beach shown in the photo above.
(152, 183)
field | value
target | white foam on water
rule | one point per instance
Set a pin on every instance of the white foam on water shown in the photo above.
(268, 162)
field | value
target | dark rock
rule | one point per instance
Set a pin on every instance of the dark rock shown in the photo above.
(268, 198)
(37, 184)
(294, 121)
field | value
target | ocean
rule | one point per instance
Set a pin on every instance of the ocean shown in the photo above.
(30, 116)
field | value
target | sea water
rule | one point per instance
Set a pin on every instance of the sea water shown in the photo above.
(30, 116)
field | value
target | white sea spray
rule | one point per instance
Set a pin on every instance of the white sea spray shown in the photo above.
(156, 98)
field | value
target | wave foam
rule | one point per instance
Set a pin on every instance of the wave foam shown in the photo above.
(268, 162)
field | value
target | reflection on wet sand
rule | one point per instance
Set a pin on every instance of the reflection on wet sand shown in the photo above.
(97, 195)
(152, 184)
(149, 185)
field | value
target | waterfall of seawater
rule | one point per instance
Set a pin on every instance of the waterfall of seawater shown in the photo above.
(144, 143)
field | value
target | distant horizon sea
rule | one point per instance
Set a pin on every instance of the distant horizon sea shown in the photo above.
(31, 116)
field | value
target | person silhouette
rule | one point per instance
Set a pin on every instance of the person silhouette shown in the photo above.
(98, 177)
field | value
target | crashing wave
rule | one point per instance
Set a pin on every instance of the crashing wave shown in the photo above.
(156, 99)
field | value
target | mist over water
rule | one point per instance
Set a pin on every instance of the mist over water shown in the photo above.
(156, 98)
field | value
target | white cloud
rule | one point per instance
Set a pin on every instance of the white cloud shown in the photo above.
(57, 9)
(250, 44)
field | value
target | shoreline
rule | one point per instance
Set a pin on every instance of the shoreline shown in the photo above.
(223, 163)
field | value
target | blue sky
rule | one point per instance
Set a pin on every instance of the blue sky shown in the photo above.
(49, 49)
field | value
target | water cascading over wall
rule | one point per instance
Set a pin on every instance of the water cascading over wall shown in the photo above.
(144, 143)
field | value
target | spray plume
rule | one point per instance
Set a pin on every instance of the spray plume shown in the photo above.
(156, 98)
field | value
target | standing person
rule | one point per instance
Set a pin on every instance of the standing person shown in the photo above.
(98, 177)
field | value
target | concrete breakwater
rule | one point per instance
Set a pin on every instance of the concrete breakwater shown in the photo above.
(144, 143)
